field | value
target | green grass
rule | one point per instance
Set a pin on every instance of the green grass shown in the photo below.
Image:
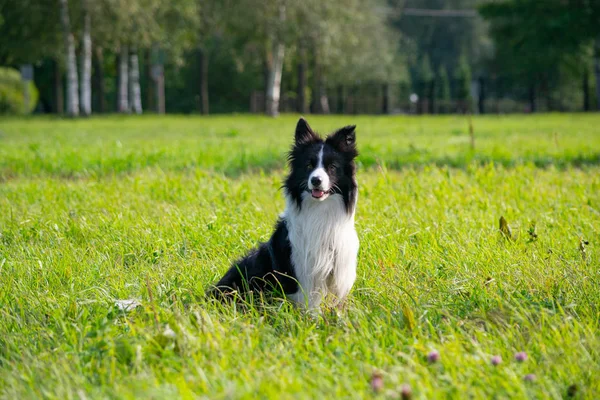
(154, 209)
(116, 145)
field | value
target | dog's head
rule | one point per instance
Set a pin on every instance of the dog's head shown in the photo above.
(322, 168)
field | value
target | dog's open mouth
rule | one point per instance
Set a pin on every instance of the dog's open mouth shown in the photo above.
(317, 193)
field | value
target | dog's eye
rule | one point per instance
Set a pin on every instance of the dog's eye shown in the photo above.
(309, 166)
(332, 168)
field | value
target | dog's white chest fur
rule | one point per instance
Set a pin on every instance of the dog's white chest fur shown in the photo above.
(324, 248)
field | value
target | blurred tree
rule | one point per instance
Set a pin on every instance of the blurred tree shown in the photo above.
(537, 42)
(276, 65)
(352, 43)
(443, 39)
(13, 99)
(212, 23)
(347, 44)
(31, 31)
(463, 84)
(298, 52)
(86, 61)
(70, 60)
(426, 84)
(135, 93)
(266, 31)
(341, 42)
(131, 25)
(442, 89)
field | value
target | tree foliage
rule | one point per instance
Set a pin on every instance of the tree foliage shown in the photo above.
(520, 48)
(539, 44)
(463, 80)
(12, 95)
(29, 32)
(442, 85)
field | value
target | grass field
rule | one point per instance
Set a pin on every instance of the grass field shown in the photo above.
(93, 211)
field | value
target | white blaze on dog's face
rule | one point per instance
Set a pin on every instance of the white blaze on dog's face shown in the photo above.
(318, 180)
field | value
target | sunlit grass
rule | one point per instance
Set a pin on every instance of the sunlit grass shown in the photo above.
(92, 217)
(233, 144)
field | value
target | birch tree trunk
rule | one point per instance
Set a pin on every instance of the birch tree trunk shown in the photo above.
(123, 80)
(135, 94)
(86, 63)
(71, 61)
(274, 83)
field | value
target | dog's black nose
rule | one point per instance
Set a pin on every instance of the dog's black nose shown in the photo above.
(316, 181)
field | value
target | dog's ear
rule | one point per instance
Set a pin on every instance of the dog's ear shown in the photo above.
(344, 139)
(304, 134)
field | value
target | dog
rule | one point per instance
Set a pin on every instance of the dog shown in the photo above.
(314, 248)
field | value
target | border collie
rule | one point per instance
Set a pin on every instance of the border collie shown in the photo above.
(314, 247)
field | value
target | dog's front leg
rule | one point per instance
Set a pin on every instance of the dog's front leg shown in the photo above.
(344, 273)
(308, 295)
(342, 282)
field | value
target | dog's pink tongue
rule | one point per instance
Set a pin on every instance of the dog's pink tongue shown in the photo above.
(317, 193)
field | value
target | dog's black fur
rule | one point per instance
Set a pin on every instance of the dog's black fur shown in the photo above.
(270, 266)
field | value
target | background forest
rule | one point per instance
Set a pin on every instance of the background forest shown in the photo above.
(346, 56)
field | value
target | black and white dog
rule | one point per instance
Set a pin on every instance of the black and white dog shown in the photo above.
(314, 247)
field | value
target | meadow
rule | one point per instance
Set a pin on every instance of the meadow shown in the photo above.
(153, 209)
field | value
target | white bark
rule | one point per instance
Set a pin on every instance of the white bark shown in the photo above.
(86, 64)
(71, 61)
(274, 83)
(123, 80)
(135, 93)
